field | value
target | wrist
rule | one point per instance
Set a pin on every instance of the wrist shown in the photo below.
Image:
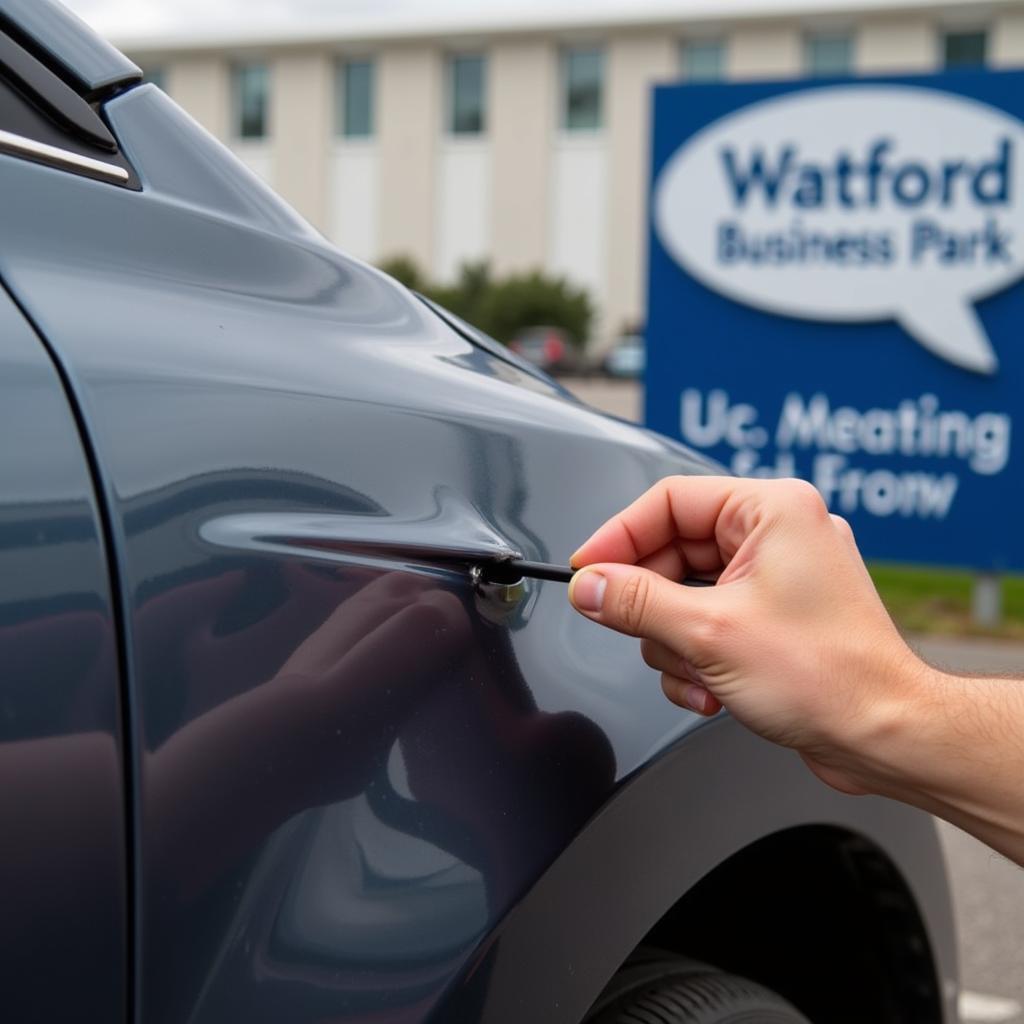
(892, 748)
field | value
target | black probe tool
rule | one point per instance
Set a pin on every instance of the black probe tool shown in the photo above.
(511, 570)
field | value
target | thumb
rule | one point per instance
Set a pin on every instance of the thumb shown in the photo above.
(636, 601)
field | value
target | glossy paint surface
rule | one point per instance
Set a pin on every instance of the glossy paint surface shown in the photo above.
(660, 834)
(62, 837)
(353, 762)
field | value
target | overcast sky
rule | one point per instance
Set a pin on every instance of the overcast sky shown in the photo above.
(141, 19)
(144, 17)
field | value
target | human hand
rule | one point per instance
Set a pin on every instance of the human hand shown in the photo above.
(793, 638)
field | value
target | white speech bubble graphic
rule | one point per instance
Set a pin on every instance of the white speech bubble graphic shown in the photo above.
(855, 203)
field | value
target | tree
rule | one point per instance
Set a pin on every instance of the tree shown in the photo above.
(502, 307)
(405, 271)
(536, 299)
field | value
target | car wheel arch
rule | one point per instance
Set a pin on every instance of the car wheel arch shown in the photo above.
(718, 792)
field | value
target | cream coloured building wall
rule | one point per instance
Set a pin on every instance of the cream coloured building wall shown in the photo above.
(523, 83)
(301, 130)
(635, 64)
(408, 120)
(525, 194)
(200, 83)
(886, 45)
(354, 197)
(462, 231)
(764, 51)
(1008, 40)
(577, 215)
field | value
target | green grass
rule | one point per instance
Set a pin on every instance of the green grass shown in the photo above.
(939, 600)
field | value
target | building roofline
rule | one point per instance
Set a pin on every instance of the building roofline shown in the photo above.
(504, 20)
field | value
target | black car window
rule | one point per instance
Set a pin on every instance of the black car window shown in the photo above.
(43, 119)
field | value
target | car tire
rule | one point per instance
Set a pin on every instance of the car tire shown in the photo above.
(677, 991)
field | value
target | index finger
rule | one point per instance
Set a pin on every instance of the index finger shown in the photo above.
(677, 507)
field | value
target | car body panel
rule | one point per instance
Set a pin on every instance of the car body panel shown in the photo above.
(63, 880)
(228, 370)
(354, 763)
(699, 804)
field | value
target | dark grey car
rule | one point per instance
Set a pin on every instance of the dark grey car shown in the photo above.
(271, 749)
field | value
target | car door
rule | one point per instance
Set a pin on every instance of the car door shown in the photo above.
(351, 757)
(64, 932)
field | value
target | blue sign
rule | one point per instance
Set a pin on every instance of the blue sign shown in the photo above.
(835, 294)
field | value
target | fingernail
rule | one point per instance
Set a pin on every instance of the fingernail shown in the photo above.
(572, 557)
(587, 590)
(696, 697)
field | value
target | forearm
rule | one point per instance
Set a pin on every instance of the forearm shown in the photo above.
(956, 749)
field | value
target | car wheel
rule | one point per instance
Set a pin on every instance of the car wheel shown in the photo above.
(676, 991)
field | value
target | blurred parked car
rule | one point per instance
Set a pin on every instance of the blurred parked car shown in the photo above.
(627, 357)
(278, 742)
(548, 348)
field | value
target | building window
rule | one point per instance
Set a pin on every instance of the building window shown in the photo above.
(703, 60)
(251, 93)
(828, 53)
(353, 99)
(582, 87)
(964, 49)
(467, 95)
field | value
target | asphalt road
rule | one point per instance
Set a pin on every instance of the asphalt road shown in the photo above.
(621, 398)
(988, 890)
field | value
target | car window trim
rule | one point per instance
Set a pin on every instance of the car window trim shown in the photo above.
(62, 159)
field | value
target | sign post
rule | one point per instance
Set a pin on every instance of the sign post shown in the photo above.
(833, 294)
(987, 600)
